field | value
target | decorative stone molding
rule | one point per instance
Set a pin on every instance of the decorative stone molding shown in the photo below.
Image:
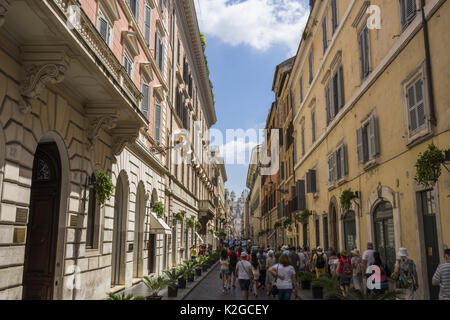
(4, 7)
(123, 137)
(105, 122)
(37, 77)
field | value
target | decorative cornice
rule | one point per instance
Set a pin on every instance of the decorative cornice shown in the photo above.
(4, 7)
(105, 122)
(362, 12)
(129, 38)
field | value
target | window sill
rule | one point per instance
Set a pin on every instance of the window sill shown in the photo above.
(370, 164)
(342, 181)
(316, 195)
(418, 138)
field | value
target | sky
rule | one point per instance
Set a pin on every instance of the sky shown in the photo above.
(245, 41)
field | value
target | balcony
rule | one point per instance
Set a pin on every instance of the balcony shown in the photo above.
(207, 209)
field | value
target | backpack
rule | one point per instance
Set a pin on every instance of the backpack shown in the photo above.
(262, 260)
(347, 268)
(233, 258)
(320, 261)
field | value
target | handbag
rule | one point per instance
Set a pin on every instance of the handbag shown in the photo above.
(274, 291)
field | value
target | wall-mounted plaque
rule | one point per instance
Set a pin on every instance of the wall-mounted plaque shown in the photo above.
(19, 235)
(74, 220)
(130, 247)
(21, 215)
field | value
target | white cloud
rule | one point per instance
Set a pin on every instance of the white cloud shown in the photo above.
(238, 151)
(260, 24)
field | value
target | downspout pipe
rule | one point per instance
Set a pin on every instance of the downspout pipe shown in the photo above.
(428, 66)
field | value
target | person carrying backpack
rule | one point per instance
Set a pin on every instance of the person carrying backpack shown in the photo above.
(345, 272)
(262, 268)
(406, 275)
(357, 270)
(320, 262)
(233, 262)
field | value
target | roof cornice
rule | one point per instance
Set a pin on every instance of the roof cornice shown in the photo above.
(189, 22)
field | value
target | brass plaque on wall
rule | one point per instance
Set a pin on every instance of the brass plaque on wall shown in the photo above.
(73, 220)
(19, 235)
(22, 215)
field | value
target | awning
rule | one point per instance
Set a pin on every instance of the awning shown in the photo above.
(271, 235)
(201, 239)
(158, 226)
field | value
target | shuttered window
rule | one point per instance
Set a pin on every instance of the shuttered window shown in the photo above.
(311, 183)
(147, 21)
(145, 100)
(337, 164)
(408, 12)
(334, 94)
(301, 195)
(324, 35)
(311, 76)
(303, 141)
(317, 232)
(313, 126)
(416, 107)
(134, 7)
(301, 89)
(158, 123)
(104, 28)
(334, 15)
(128, 65)
(363, 39)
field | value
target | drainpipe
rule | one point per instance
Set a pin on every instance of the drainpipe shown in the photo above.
(428, 64)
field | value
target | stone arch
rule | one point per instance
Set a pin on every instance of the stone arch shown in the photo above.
(120, 228)
(333, 224)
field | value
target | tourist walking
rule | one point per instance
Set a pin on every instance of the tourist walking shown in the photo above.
(233, 257)
(271, 261)
(367, 260)
(262, 268)
(383, 286)
(255, 269)
(333, 261)
(406, 275)
(225, 270)
(320, 262)
(345, 272)
(193, 253)
(441, 277)
(244, 274)
(285, 277)
(301, 259)
(293, 256)
(357, 270)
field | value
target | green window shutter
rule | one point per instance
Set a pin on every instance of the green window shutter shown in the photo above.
(147, 21)
(145, 99)
(158, 123)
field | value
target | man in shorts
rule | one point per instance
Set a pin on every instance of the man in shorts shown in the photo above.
(245, 275)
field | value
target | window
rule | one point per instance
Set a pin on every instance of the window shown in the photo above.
(311, 182)
(157, 123)
(408, 12)
(337, 164)
(159, 52)
(334, 94)
(363, 39)
(416, 106)
(134, 7)
(147, 21)
(282, 170)
(303, 141)
(334, 15)
(146, 99)
(301, 89)
(324, 35)
(104, 27)
(179, 51)
(93, 219)
(367, 140)
(317, 232)
(313, 125)
(311, 76)
(128, 64)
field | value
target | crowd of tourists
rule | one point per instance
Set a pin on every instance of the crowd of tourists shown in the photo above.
(273, 271)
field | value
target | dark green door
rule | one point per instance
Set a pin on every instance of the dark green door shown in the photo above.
(350, 231)
(384, 234)
(430, 238)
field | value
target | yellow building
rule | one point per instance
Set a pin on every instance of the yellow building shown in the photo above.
(367, 100)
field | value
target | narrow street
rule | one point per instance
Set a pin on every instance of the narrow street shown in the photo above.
(210, 289)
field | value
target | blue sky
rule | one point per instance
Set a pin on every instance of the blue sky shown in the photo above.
(245, 41)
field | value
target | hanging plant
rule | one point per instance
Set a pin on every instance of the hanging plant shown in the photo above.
(191, 222)
(179, 216)
(103, 187)
(304, 216)
(346, 200)
(158, 208)
(428, 166)
(277, 225)
(198, 226)
(286, 223)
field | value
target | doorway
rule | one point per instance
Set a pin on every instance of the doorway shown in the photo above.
(138, 256)
(152, 254)
(350, 231)
(334, 233)
(42, 231)
(428, 208)
(385, 234)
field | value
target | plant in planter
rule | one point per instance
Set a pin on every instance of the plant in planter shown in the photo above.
(331, 287)
(158, 208)
(172, 282)
(181, 273)
(304, 216)
(155, 285)
(354, 294)
(198, 226)
(286, 223)
(103, 187)
(428, 166)
(189, 270)
(112, 296)
(179, 216)
(346, 200)
(191, 222)
(305, 278)
(198, 267)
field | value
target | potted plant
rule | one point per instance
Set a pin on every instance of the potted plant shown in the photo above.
(172, 282)
(331, 287)
(179, 216)
(103, 187)
(317, 289)
(203, 261)
(189, 270)
(428, 166)
(305, 279)
(181, 270)
(198, 267)
(191, 222)
(112, 296)
(198, 226)
(354, 294)
(155, 285)
(158, 208)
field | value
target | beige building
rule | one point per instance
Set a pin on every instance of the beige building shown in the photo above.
(254, 202)
(367, 101)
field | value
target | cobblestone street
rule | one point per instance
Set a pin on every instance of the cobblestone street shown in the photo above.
(210, 289)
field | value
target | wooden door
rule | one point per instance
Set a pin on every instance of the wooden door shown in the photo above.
(42, 232)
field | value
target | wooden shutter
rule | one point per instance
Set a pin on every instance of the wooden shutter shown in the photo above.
(341, 99)
(292, 103)
(334, 95)
(301, 89)
(324, 34)
(145, 99)
(343, 159)
(361, 54)
(335, 168)
(147, 20)
(359, 144)
(161, 56)
(158, 123)
(328, 103)
(419, 102)
(330, 168)
(373, 137)
(157, 53)
(311, 181)
(313, 125)
(301, 194)
(366, 52)
(411, 98)
(103, 29)
(334, 18)
(311, 76)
